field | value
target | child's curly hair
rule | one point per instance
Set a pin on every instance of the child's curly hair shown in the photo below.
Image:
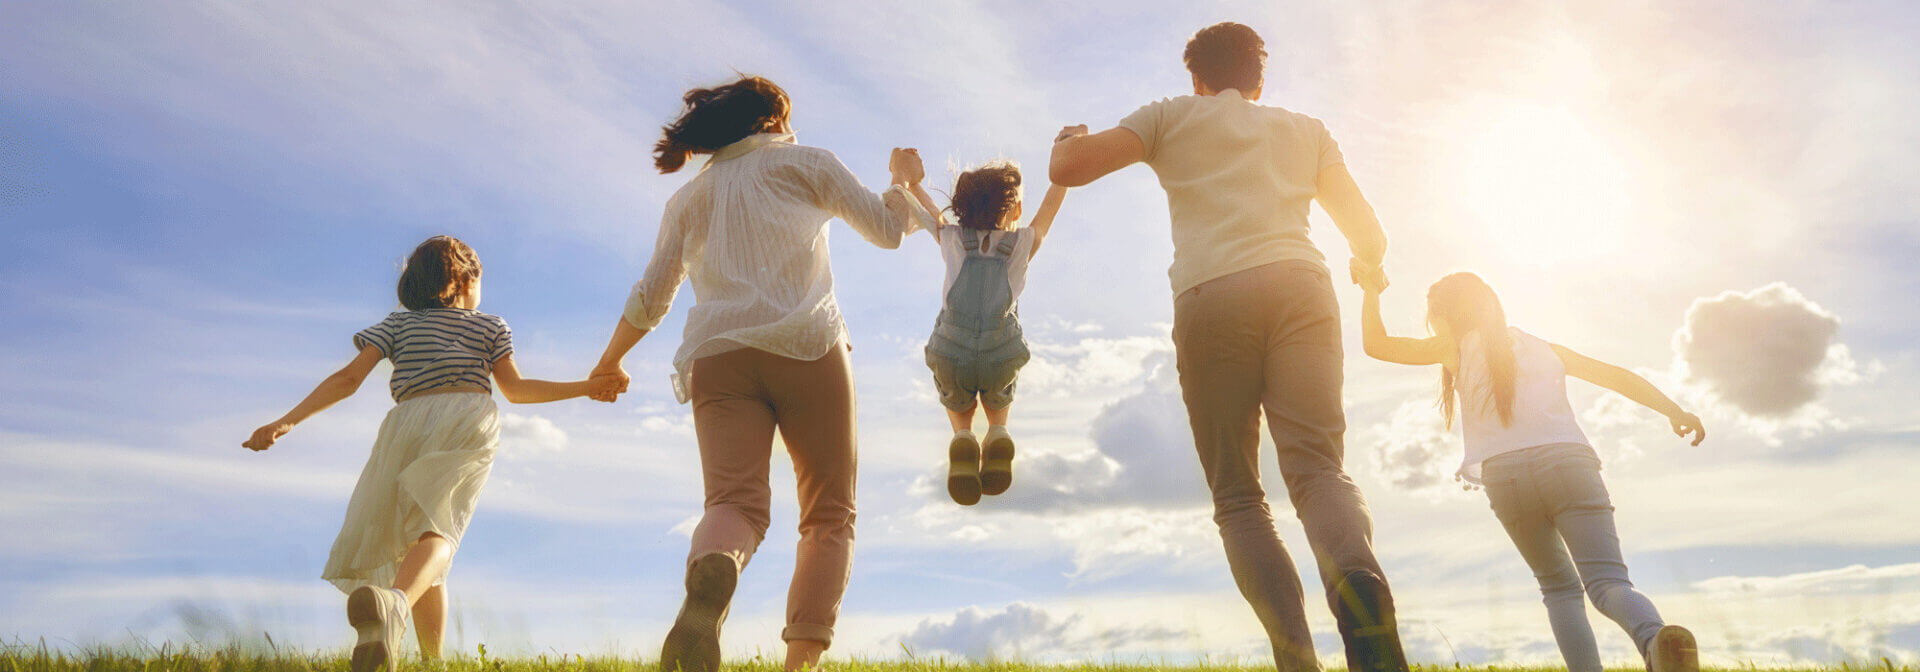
(437, 273)
(982, 197)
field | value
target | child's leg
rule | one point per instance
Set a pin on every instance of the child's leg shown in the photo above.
(426, 560)
(997, 417)
(1585, 521)
(430, 621)
(1517, 502)
(962, 421)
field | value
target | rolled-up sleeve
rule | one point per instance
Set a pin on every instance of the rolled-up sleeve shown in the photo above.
(652, 296)
(883, 219)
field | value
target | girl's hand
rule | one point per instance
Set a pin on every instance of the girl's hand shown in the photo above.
(1371, 278)
(906, 166)
(1686, 423)
(264, 437)
(610, 381)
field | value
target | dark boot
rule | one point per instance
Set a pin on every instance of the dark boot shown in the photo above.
(1363, 609)
(693, 645)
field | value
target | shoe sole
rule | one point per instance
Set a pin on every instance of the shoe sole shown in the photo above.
(372, 652)
(996, 471)
(693, 645)
(1674, 650)
(963, 471)
(1375, 645)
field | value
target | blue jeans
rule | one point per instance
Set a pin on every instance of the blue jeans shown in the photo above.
(1555, 507)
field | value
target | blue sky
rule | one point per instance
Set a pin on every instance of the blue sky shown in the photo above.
(205, 200)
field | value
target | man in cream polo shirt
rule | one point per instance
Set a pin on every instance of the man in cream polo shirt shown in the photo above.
(1256, 328)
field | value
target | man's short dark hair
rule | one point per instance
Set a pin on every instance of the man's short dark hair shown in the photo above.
(1227, 55)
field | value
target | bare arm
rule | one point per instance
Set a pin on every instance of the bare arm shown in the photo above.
(1399, 349)
(1043, 218)
(340, 385)
(521, 390)
(935, 218)
(1341, 198)
(1079, 159)
(1632, 386)
(625, 336)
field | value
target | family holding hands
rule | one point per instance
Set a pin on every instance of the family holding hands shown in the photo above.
(1256, 331)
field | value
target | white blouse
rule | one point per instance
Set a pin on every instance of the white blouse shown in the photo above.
(750, 231)
(1541, 414)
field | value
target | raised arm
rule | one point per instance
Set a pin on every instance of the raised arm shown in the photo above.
(1632, 386)
(1399, 349)
(1078, 158)
(340, 385)
(883, 219)
(1043, 217)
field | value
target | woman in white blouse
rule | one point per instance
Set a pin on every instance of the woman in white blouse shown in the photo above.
(765, 348)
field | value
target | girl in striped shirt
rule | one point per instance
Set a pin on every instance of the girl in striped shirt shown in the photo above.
(434, 450)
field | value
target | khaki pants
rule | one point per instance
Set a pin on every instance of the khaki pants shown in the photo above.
(1268, 339)
(739, 399)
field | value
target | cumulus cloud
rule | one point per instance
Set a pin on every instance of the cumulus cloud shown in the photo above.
(1413, 450)
(1768, 353)
(1023, 631)
(531, 434)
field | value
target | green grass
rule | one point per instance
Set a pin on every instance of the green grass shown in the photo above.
(171, 658)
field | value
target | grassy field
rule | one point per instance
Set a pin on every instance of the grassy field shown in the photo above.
(168, 658)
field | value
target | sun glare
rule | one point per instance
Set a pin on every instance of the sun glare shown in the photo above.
(1541, 184)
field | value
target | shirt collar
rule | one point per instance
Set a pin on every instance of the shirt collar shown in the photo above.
(1236, 93)
(746, 145)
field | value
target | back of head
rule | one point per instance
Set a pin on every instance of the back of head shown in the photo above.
(982, 197)
(1463, 305)
(437, 272)
(1227, 55)
(720, 116)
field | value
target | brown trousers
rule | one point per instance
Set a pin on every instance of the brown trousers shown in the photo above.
(739, 399)
(1268, 338)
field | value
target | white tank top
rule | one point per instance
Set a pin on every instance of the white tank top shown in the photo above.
(1541, 414)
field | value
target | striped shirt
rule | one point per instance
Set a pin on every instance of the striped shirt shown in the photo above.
(439, 347)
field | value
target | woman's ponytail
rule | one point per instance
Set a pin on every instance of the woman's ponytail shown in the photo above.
(712, 118)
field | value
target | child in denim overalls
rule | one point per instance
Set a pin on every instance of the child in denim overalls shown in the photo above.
(976, 350)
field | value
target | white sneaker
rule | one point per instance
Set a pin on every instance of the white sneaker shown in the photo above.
(379, 617)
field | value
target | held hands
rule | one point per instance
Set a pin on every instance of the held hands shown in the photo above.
(1070, 132)
(1686, 423)
(906, 166)
(1371, 278)
(607, 383)
(264, 437)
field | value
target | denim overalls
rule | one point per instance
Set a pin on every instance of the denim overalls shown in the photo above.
(977, 347)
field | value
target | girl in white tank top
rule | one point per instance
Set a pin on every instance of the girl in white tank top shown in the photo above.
(1540, 473)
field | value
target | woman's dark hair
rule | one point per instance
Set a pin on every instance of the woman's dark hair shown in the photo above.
(982, 197)
(1227, 55)
(437, 273)
(720, 116)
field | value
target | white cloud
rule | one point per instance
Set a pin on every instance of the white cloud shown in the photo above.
(1767, 354)
(1413, 451)
(530, 433)
(1850, 579)
(1023, 631)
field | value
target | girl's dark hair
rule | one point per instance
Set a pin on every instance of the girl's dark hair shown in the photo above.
(720, 116)
(1227, 55)
(437, 273)
(1465, 305)
(982, 197)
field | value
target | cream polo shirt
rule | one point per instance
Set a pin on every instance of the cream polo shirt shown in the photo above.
(1239, 177)
(750, 233)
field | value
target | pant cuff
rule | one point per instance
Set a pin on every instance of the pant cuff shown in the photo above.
(812, 632)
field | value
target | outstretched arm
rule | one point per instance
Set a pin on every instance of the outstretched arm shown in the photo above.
(1399, 349)
(340, 385)
(1043, 218)
(1632, 386)
(533, 391)
(625, 336)
(1078, 159)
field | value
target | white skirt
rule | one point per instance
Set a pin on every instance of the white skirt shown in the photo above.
(428, 465)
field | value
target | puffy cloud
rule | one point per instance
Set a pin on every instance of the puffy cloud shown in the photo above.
(531, 433)
(1023, 631)
(1412, 450)
(1767, 353)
